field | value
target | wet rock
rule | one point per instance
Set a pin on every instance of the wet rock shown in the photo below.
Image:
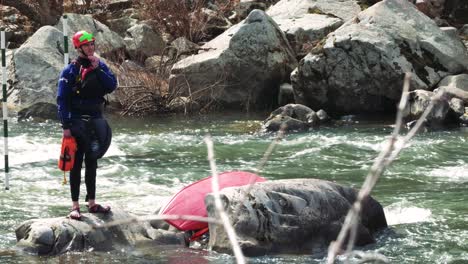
(294, 216)
(56, 236)
(293, 117)
(419, 100)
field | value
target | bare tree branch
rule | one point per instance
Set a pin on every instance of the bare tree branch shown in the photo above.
(385, 158)
(219, 206)
(158, 217)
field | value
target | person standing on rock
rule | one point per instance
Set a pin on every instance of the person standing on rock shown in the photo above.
(80, 98)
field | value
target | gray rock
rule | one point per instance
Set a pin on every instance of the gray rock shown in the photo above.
(241, 69)
(55, 236)
(294, 216)
(121, 24)
(143, 42)
(361, 65)
(343, 9)
(419, 100)
(183, 46)
(306, 31)
(459, 81)
(457, 105)
(455, 86)
(322, 115)
(292, 117)
(287, 123)
(37, 65)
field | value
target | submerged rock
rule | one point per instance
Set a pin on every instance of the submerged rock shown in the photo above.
(294, 117)
(291, 216)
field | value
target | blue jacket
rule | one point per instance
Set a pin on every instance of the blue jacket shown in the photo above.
(69, 79)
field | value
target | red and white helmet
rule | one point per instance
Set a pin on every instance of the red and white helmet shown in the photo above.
(82, 37)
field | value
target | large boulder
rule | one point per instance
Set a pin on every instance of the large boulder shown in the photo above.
(56, 236)
(37, 65)
(343, 9)
(361, 65)
(143, 42)
(241, 69)
(291, 216)
(308, 30)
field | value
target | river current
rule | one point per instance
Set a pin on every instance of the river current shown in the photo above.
(424, 192)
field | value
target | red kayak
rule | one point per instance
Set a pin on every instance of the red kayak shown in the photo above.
(191, 199)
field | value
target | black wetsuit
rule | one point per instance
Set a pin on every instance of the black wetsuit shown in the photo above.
(80, 102)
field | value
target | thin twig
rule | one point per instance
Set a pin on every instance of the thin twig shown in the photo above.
(158, 217)
(385, 158)
(261, 164)
(219, 206)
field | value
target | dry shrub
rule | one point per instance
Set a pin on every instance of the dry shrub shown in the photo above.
(141, 92)
(182, 18)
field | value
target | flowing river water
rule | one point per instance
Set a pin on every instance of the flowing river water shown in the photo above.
(424, 193)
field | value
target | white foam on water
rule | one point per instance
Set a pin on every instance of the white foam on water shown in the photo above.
(26, 149)
(403, 213)
(451, 173)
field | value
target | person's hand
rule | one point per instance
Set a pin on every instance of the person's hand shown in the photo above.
(94, 61)
(67, 133)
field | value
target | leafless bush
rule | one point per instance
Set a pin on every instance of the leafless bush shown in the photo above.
(142, 92)
(182, 18)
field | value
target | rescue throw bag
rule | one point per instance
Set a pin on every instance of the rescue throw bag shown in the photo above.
(67, 155)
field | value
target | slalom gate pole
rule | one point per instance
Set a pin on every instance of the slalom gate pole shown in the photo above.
(66, 58)
(5, 110)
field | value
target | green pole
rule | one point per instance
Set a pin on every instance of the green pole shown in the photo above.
(5, 110)
(66, 58)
